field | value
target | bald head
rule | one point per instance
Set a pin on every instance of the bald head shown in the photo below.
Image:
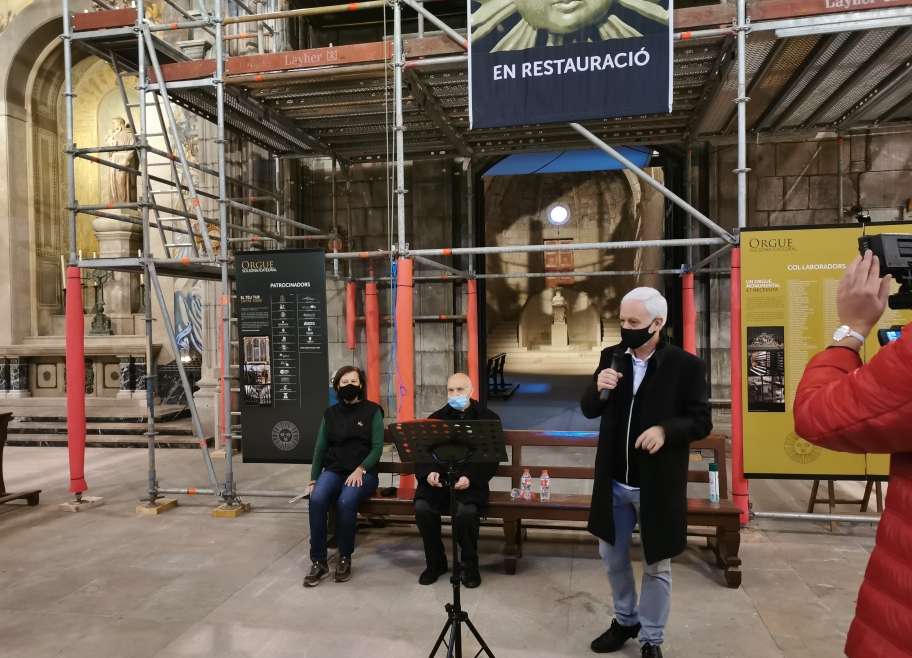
(459, 384)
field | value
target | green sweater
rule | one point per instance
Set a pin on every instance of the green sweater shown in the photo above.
(369, 462)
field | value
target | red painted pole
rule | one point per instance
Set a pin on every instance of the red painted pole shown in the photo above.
(690, 312)
(472, 333)
(372, 329)
(740, 489)
(351, 315)
(405, 355)
(75, 381)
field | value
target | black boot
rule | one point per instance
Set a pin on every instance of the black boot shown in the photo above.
(318, 571)
(615, 637)
(343, 570)
(651, 651)
(433, 571)
(471, 578)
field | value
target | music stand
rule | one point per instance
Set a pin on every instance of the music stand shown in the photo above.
(452, 444)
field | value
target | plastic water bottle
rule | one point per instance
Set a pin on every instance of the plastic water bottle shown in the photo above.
(526, 484)
(714, 483)
(545, 483)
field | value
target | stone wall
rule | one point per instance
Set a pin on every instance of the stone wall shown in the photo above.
(430, 220)
(796, 183)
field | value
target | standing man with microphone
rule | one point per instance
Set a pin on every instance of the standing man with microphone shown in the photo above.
(653, 402)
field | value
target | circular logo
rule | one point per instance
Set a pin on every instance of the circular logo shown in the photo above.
(285, 436)
(801, 451)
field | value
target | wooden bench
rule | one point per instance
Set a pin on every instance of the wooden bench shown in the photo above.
(31, 497)
(719, 522)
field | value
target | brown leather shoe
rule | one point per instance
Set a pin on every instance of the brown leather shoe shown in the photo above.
(318, 571)
(343, 570)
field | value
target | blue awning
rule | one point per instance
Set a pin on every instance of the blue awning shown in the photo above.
(563, 162)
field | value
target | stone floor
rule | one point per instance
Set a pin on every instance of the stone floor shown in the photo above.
(105, 582)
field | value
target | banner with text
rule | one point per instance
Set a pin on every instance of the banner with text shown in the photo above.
(284, 361)
(789, 279)
(547, 61)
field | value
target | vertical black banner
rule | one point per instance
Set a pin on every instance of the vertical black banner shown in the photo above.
(548, 61)
(283, 349)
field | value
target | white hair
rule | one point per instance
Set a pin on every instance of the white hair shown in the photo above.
(656, 305)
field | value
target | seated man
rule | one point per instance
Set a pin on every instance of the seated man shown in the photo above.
(432, 499)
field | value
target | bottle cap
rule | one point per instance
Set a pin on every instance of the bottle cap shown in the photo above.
(714, 466)
(545, 473)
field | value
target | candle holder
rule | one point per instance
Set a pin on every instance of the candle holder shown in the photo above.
(101, 323)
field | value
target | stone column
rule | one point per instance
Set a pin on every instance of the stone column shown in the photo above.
(118, 240)
(207, 396)
(18, 386)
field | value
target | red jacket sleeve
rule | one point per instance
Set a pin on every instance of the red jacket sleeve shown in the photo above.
(844, 405)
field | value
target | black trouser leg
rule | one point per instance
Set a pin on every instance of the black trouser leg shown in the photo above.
(465, 525)
(427, 517)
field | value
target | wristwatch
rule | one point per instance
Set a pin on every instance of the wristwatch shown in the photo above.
(845, 331)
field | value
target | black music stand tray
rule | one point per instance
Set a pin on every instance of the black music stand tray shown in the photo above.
(452, 444)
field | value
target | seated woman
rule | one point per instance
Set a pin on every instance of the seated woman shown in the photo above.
(343, 474)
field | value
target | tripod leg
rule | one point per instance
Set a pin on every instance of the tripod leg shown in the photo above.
(455, 649)
(484, 645)
(440, 637)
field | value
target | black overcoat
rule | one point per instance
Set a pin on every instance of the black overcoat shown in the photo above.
(479, 474)
(673, 395)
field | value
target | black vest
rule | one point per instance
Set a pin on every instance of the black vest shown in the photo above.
(348, 435)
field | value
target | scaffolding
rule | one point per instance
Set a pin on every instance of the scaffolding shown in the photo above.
(330, 103)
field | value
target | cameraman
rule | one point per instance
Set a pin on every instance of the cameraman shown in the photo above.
(844, 405)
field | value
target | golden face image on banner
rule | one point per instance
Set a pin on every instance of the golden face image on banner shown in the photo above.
(563, 21)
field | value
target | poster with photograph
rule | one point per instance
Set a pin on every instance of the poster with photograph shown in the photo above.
(789, 280)
(766, 368)
(284, 356)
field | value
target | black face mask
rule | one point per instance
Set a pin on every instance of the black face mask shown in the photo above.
(634, 338)
(349, 392)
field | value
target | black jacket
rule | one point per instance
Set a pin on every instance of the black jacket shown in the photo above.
(673, 395)
(479, 474)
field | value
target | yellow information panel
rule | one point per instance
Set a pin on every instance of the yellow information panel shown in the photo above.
(789, 279)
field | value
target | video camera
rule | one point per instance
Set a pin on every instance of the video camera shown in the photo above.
(894, 251)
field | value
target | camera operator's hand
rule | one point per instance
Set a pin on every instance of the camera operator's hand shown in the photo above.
(862, 295)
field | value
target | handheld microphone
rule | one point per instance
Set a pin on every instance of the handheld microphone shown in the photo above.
(617, 362)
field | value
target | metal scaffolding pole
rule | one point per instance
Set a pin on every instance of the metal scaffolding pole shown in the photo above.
(229, 494)
(399, 127)
(447, 30)
(309, 11)
(653, 183)
(163, 91)
(579, 246)
(154, 283)
(144, 200)
(439, 266)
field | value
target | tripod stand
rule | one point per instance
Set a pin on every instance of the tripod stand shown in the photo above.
(452, 445)
(455, 614)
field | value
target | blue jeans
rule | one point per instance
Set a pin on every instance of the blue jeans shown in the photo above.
(330, 489)
(655, 599)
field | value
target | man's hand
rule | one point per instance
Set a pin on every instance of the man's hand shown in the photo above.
(462, 483)
(310, 487)
(433, 479)
(356, 478)
(607, 380)
(862, 295)
(651, 440)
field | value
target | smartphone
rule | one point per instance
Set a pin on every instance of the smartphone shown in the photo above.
(885, 336)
